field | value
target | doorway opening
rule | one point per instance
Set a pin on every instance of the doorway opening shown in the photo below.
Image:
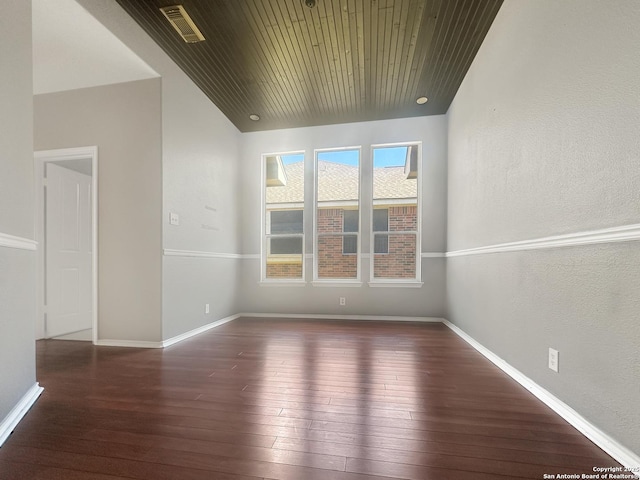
(67, 232)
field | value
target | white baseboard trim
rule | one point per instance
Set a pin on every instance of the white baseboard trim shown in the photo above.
(128, 343)
(11, 241)
(19, 411)
(168, 342)
(197, 331)
(619, 452)
(282, 283)
(312, 316)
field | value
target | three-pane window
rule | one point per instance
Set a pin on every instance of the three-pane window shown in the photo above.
(393, 216)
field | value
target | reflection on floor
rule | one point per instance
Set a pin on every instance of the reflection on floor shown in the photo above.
(289, 399)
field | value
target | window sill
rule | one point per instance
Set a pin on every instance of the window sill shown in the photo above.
(282, 283)
(396, 284)
(336, 283)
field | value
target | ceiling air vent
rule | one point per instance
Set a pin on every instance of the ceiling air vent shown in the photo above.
(183, 24)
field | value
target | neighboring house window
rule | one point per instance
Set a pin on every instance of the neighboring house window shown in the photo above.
(395, 212)
(337, 204)
(283, 238)
(285, 222)
(350, 223)
(380, 224)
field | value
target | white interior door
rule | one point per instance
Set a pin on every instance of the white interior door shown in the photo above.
(68, 290)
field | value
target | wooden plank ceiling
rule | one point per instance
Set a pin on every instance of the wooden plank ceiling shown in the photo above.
(340, 61)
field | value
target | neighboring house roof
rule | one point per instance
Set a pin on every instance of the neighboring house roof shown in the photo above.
(293, 191)
(392, 183)
(339, 182)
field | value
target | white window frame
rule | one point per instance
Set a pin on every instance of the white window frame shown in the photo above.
(333, 282)
(398, 282)
(264, 250)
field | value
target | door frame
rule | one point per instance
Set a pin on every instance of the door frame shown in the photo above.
(61, 155)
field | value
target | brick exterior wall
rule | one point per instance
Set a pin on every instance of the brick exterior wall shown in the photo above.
(400, 262)
(332, 263)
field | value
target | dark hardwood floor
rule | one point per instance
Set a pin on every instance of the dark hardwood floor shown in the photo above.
(289, 399)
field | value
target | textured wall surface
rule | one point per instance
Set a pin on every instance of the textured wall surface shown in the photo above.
(544, 127)
(543, 140)
(124, 121)
(17, 267)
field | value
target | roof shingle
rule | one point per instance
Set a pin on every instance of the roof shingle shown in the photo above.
(339, 182)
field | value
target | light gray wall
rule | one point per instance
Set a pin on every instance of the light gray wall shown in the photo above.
(124, 121)
(543, 140)
(200, 168)
(200, 152)
(364, 300)
(17, 267)
(16, 133)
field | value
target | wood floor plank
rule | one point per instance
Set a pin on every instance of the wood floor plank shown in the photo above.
(289, 399)
(419, 453)
(440, 422)
(23, 471)
(514, 434)
(175, 451)
(89, 465)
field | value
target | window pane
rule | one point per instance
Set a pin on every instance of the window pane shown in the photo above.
(395, 209)
(284, 181)
(350, 244)
(284, 215)
(350, 221)
(286, 221)
(285, 245)
(381, 220)
(380, 243)
(337, 212)
(400, 261)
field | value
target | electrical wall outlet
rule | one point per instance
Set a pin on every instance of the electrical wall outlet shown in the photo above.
(206, 308)
(553, 359)
(174, 219)
(343, 301)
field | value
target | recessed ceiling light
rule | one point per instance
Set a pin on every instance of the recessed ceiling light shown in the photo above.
(254, 117)
(421, 100)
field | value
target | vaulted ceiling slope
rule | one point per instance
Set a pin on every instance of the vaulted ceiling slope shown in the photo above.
(339, 61)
